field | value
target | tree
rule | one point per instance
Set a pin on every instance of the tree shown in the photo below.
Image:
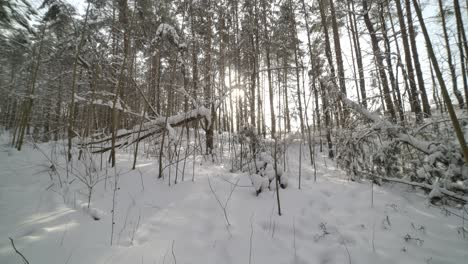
(414, 100)
(379, 60)
(417, 65)
(448, 102)
(453, 74)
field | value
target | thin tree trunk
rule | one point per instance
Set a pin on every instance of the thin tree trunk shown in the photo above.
(286, 98)
(395, 89)
(30, 101)
(462, 46)
(339, 58)
(453, 74)
(208, 87)
(414, 100)
(435, 93)
(379, 60)
(328, 51)
(353, 61)
(399, 62)
(358, 50)
(268, 64)
(417, 65)
(296, 60)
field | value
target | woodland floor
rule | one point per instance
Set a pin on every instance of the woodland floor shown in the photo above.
(328, 221)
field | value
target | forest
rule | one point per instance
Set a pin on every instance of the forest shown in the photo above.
(233, 131)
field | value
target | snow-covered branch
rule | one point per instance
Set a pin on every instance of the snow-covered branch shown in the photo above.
(151, 128)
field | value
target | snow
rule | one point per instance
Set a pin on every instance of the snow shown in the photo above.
(166, 30)
(200, 111)
(171, 132)
(260, 183)
(284, 181)
(183, 223)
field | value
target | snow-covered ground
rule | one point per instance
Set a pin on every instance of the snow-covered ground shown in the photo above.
(328, 221)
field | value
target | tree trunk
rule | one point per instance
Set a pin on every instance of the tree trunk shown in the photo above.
(268, 64)
(339, 58)
(379, 60)
(328, 51)
(357, 47)
(27, 108)
(208, 74)
(417, 65)
(414, 100)
(453, 74)
(462, 46)
(296, 60)
(445, 94)
(395, 89)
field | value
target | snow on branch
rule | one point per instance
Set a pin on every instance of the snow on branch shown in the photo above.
(382, 124)
(449, 184)
(99, 98)
(152, 128)
(169, 32)
(432, 188)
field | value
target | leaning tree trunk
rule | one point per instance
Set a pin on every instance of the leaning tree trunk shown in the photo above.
(445, 94)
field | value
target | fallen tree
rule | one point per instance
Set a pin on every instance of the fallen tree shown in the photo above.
(384, 151)
(152, 128)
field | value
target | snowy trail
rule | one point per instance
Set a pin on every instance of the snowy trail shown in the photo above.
(330, 221)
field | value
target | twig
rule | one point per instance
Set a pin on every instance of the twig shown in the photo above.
(347, 251)
(173, 254)
(251, 239)
(230, 194)
(17, 252)
(219, 202)
(236, 185)
(69, 257)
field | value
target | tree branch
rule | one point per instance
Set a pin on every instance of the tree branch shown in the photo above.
(17, 252)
